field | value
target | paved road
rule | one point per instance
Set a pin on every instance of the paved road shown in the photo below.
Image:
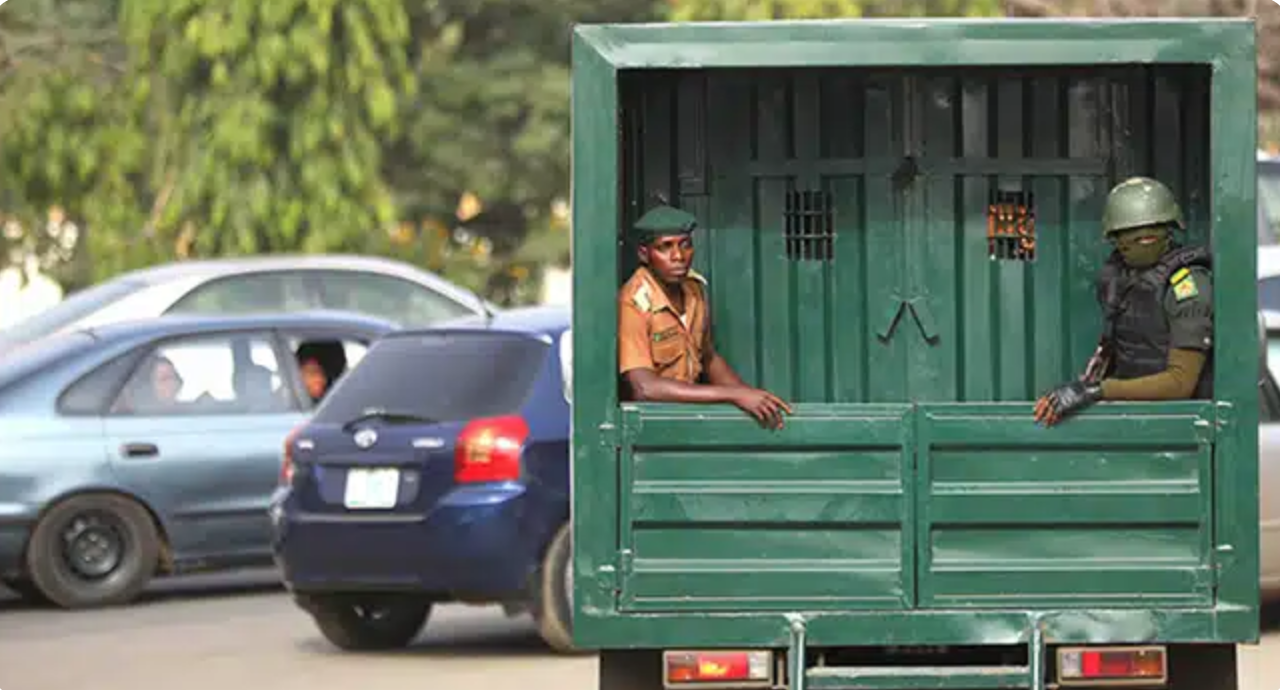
(241, 631)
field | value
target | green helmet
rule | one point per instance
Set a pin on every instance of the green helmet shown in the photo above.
(1137, 202)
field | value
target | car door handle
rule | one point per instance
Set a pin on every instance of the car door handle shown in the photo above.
(139, 450)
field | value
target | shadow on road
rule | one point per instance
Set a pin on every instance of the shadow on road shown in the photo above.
(165, 590)
(492, 644)
(1271, 618)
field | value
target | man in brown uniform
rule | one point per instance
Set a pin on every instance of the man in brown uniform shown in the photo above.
(665, 348)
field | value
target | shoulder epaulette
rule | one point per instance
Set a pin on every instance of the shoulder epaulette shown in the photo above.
(640, 298)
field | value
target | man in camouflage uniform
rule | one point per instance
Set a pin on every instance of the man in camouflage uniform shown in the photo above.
(1157, 300)
(665, 348)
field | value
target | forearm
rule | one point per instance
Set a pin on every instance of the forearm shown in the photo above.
(658, 389)
(1176, 382)
(719, 373)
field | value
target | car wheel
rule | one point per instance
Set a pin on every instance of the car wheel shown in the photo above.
(93, 550)
(25, 589)
(371, 623)
(554, 610)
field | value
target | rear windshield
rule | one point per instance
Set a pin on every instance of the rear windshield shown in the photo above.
(443, 377)
(22, 362)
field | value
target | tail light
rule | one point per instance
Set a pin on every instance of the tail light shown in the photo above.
(717, 668)
(1112, 665)
(286, 459)
(488, 450)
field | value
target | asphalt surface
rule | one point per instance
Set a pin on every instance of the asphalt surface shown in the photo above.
(227, 632)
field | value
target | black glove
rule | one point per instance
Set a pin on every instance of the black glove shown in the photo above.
(1066, 399)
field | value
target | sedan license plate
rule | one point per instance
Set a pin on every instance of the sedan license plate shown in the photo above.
(372, 488)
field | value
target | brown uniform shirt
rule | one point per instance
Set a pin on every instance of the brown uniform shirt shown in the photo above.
(652, 335)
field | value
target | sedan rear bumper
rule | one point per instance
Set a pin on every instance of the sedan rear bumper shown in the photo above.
(482, 541)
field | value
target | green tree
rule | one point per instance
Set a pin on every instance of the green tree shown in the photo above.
(62, 62)
(274, 116)
(231, 128)
(491, 117)
(235, 127)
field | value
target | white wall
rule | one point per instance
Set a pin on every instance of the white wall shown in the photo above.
(557, 285)
(18, 301)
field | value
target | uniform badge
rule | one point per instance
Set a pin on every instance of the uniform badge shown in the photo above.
(1184, 286)
(664, 335)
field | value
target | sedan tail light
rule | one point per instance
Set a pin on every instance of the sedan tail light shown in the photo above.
(489, 450)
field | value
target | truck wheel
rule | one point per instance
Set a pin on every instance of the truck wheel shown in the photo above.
(25, 589)
(368, 623)
(93, 550)
(554, 608)
(630, 669)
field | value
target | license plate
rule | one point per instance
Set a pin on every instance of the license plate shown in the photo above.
(372, 488)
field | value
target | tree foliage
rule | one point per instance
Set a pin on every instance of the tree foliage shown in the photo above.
(167, 129)
(184, 128)
(271, 118)
(1267, 15)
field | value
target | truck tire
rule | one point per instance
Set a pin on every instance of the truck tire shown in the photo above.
(553, 610)
(630, 669)
(368, 623)
(93, 550)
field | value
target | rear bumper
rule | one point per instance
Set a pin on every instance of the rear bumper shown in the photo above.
(482, 541)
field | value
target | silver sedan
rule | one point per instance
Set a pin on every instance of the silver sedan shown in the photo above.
(386, 289)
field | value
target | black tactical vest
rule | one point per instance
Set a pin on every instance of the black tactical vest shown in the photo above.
(1136, 325)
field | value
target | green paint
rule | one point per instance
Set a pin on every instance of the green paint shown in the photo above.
(911, 500)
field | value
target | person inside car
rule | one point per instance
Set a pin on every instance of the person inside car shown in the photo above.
(319, 366)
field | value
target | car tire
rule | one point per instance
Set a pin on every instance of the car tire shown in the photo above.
(372, 623)
(25, 589)
(554, 609)
(93, 550)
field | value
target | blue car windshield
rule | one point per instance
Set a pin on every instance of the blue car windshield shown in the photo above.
(439, 377)
(66, 312)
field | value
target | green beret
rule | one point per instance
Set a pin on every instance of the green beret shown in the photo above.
(664, 220)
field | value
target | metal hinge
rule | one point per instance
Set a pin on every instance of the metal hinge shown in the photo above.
(610, 435)
(1221, 555)
(610, 577)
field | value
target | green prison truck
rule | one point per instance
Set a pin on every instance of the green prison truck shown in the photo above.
(911, 526)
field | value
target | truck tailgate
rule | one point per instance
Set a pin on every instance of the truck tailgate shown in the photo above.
(916, 506)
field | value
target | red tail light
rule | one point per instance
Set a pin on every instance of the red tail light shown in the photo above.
(718, 668)
(286, 459)
(1114, 665)
(489, 450)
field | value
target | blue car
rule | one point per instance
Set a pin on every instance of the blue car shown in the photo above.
(437, 471)
(153, 446)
